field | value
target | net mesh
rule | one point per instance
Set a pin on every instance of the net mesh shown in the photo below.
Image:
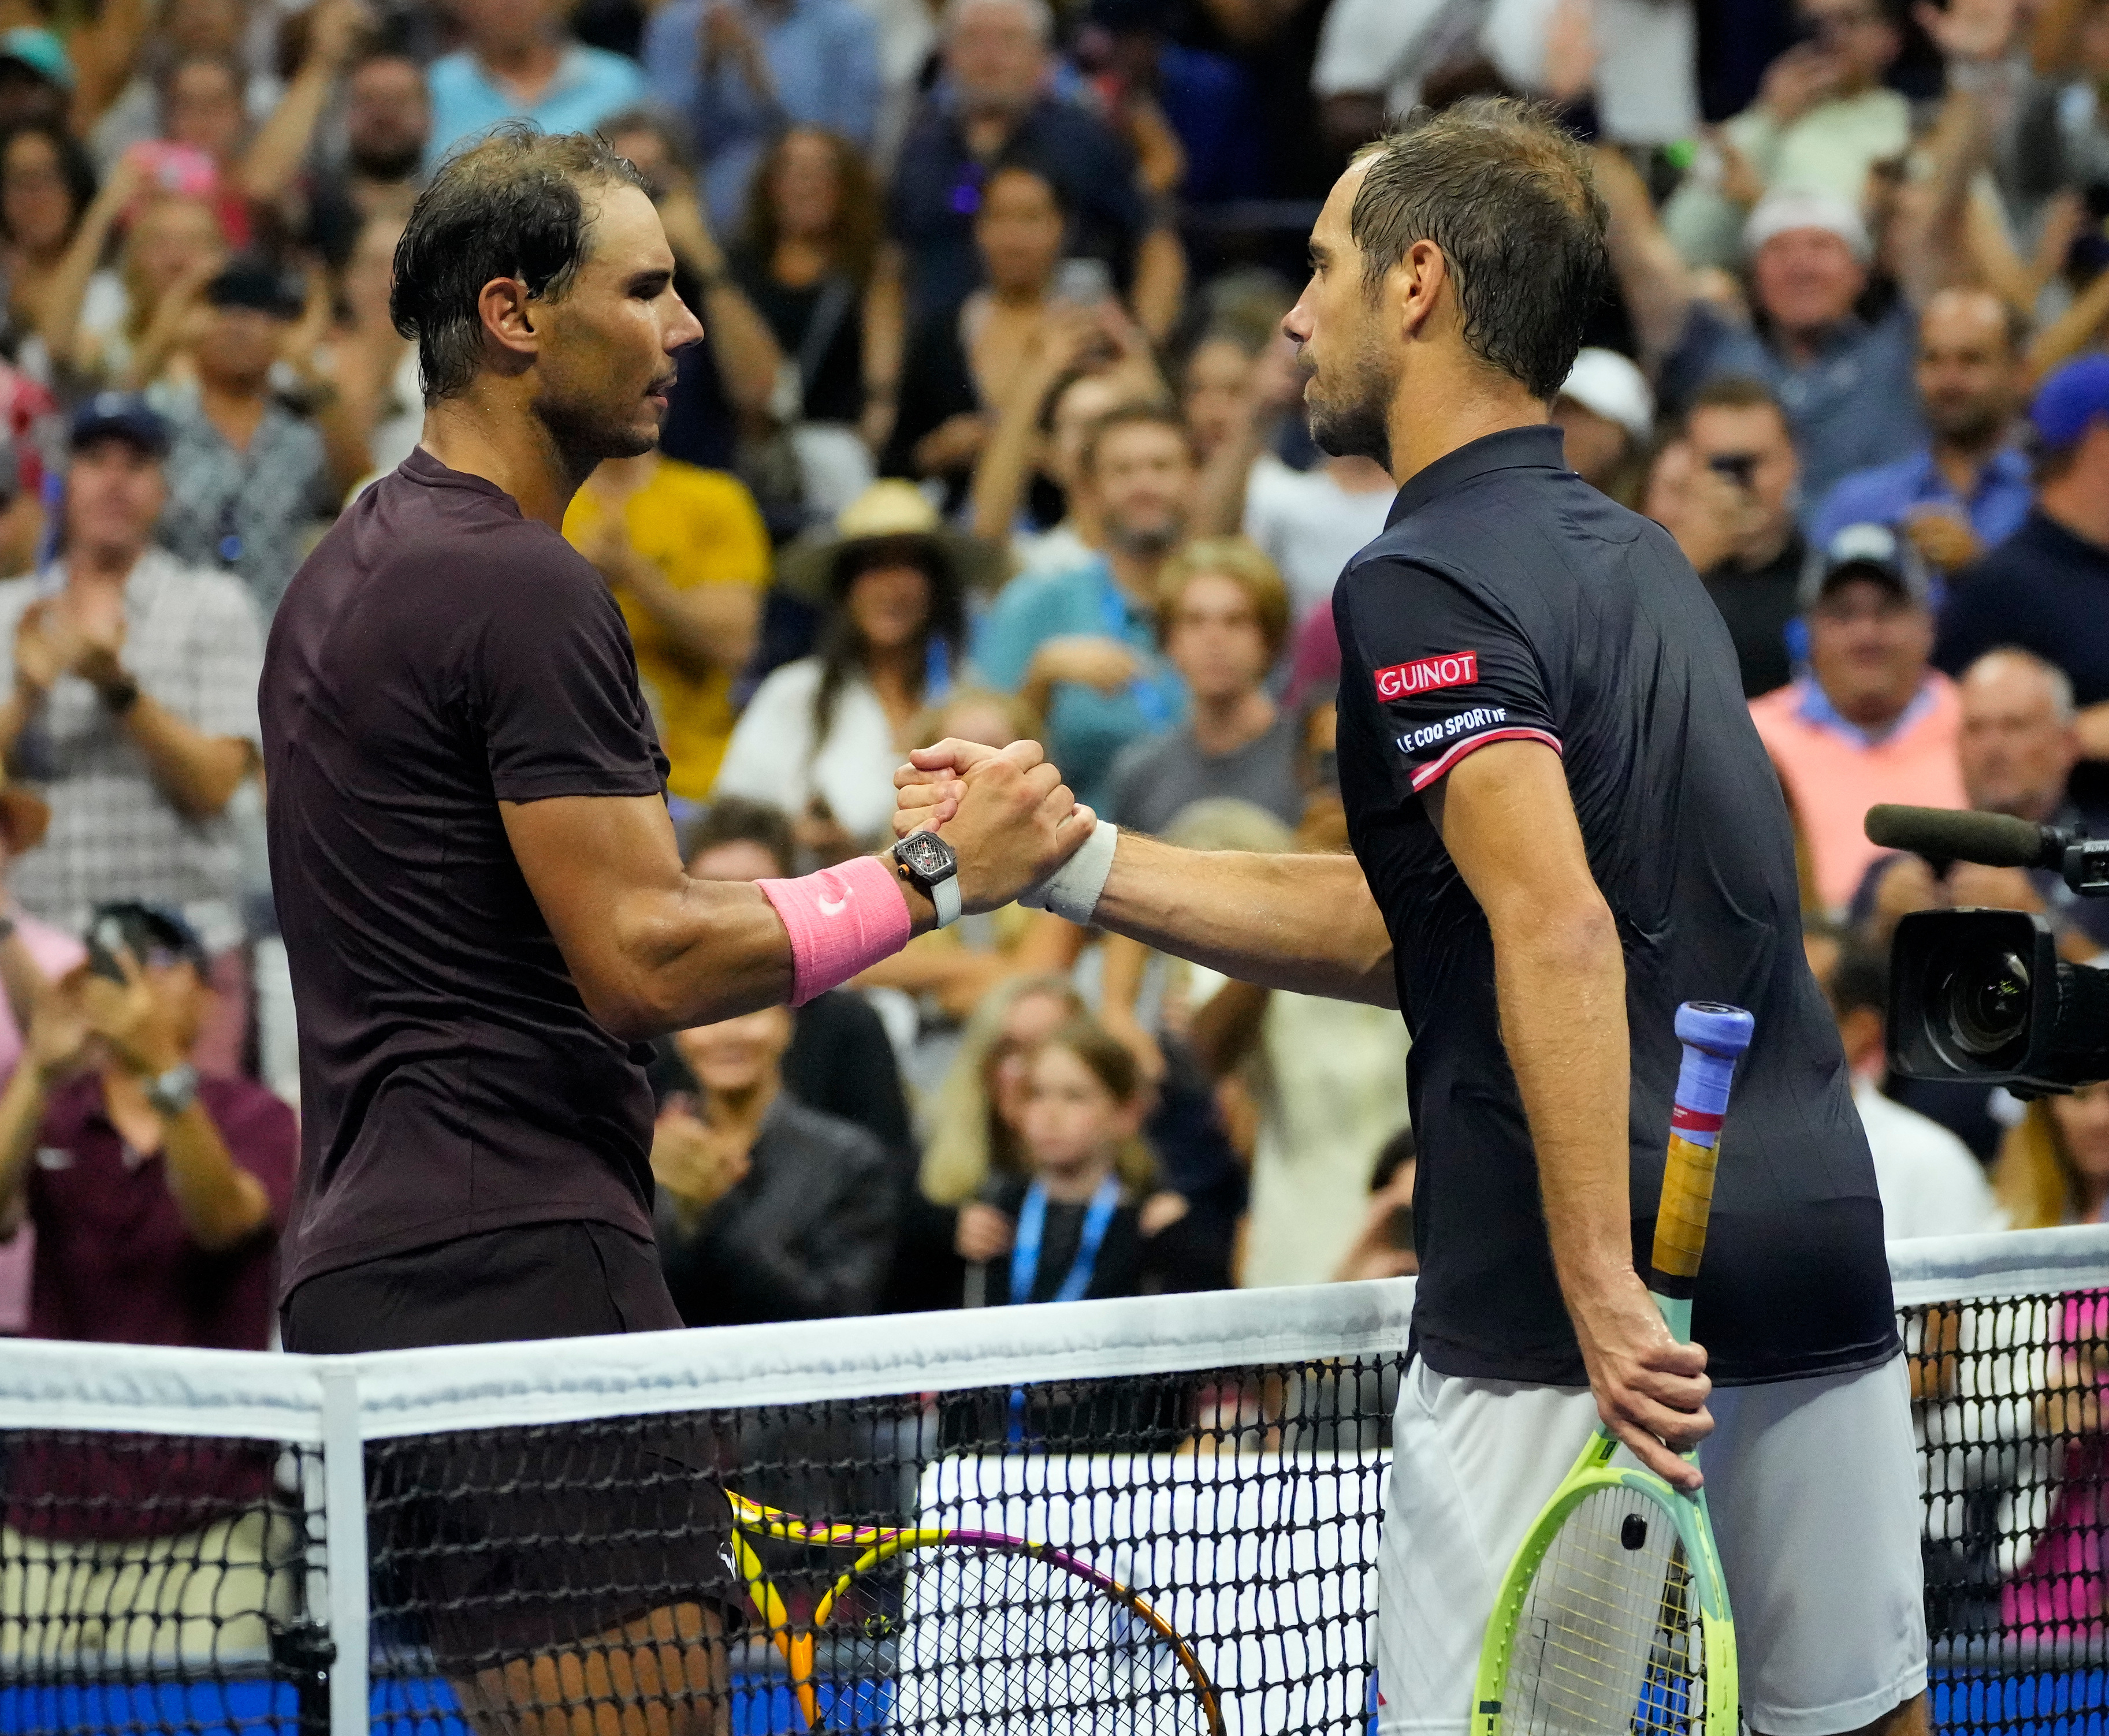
(1012, 1544)
(152, 1583)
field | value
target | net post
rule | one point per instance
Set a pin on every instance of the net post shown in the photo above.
(344, 1508)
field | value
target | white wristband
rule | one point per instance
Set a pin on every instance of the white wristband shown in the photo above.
(1071, 891)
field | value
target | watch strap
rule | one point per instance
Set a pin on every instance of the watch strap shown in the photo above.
(945, 894)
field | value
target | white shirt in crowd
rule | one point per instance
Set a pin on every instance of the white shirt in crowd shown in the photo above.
(1331, 1083)
(1310, 527)
(1930, 1184)
(773, 756)
(1646, 84)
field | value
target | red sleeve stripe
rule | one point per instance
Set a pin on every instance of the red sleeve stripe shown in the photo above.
(1452, 754)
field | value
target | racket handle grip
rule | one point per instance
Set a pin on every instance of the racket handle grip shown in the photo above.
(1714, 1035)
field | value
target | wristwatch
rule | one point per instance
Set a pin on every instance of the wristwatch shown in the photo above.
(931, 868)
(174, 1091)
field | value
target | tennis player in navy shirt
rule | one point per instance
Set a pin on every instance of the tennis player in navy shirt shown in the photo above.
(1564, 825)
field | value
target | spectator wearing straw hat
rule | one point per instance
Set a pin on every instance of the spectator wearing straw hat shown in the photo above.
(821, 736)
(2043, 588)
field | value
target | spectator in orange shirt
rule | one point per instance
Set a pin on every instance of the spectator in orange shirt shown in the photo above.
(1870, 721)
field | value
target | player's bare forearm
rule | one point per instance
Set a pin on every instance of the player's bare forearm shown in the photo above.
(1283, 922)
(1508, 823)
(1560, 979)
(650, 949)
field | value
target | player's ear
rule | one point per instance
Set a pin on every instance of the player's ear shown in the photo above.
(507, 317)
(1419, 280)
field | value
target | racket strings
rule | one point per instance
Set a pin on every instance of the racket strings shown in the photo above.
(1608, 1641)
(993, 1642)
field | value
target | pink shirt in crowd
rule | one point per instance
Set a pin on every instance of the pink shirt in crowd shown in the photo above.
(1835, 772)
(56, 953)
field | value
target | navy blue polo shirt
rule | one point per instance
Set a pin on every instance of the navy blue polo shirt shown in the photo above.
(1509, 601)
(2044, 589)
(936, 190)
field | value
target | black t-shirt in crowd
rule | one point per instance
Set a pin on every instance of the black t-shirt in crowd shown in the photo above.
(2044, 589)
(1758, 603)
(1509, 601)
(437, 654)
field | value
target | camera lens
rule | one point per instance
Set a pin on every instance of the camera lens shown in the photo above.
(1986, 1000)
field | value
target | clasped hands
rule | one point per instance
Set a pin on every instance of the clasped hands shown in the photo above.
(1008, 815)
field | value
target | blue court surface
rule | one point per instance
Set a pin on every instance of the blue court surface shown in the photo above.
(761, 1707)
(2043, 1704)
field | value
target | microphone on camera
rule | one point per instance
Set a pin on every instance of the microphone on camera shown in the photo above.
(1958, 835)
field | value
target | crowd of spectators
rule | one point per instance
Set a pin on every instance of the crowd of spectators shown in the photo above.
(993, 434)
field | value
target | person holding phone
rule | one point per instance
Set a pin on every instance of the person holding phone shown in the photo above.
(1728, 491)
(961, 364)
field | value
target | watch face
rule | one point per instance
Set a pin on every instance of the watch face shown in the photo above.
(926, 856)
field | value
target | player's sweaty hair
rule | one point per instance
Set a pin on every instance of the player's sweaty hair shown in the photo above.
(511, 204)
(1506, 193)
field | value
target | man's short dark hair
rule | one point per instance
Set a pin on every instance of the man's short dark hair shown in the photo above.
(1141, 414)
(1506, 193)
(1737, 392)
(513, 204)
(1860, 978)
(735, 819)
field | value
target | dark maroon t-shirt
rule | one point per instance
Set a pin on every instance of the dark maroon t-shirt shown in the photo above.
(438, 653)
(115, 1264)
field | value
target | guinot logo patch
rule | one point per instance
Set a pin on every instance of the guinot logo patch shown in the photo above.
(1449, 668)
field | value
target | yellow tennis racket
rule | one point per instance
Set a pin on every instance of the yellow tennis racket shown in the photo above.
(1055, 1635)
(1614, 1615)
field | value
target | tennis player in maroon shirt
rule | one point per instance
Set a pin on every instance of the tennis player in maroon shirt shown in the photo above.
(486, 915)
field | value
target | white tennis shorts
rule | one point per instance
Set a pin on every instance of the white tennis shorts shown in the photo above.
(1813, 1486)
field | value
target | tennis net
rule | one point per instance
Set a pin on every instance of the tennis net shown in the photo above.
(1159, 1515)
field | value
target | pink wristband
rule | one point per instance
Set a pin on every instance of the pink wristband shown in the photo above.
(840, 920)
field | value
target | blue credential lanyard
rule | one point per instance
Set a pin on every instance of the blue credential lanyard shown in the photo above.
(1150, 698)
(1025, 1264)
(1033, 1226)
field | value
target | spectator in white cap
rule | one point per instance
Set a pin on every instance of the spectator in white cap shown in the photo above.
(1845, 379)
(1607, 412)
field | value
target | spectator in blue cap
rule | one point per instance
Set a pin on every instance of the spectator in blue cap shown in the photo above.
(250, 473)
(132, 691)
(36, 77)
(2046, 588)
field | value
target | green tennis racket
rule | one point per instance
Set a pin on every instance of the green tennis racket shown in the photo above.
(1613, 1615)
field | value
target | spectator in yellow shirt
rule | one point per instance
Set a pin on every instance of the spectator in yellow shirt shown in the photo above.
(685, 553)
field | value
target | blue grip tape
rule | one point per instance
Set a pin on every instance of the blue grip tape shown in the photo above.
(1712, 1035)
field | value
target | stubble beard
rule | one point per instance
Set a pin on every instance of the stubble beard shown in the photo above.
(1355, 422)
(1147, 541)
(585, 432)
